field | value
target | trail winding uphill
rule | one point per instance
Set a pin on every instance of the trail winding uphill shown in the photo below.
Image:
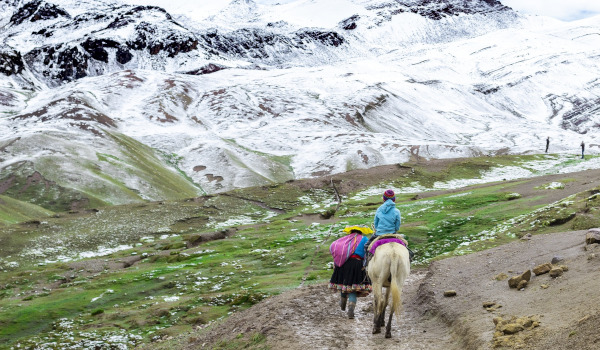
(556, 313)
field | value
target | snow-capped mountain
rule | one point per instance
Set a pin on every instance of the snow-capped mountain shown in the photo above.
(96, 96)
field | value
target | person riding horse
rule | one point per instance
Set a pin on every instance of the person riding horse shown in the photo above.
(387, 216)
(387, 220)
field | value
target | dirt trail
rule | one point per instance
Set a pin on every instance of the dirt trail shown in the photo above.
(310, 318)
(567, 307)
(314, 320)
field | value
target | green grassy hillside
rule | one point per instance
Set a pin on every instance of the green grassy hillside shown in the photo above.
(182, 266)
(14, 211)
(70, 181)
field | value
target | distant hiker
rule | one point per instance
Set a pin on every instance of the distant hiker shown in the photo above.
(582, 149)
(547, 143)
(349, 277)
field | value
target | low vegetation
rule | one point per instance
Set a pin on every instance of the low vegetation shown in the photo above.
(118, 276)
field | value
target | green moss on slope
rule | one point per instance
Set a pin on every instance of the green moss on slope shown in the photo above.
(13, 211)
(142, 162)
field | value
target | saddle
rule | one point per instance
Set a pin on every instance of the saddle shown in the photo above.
(387, 238)
(383, 239)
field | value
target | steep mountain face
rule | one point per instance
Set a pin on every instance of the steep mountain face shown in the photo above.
(59, 47)
(105, 102)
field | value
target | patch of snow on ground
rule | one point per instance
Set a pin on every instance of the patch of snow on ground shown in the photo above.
(561, 164)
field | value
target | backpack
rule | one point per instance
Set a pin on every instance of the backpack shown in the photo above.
(343, 247)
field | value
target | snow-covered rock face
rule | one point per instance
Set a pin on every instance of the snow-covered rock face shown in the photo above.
(62, 41)
(93, 91)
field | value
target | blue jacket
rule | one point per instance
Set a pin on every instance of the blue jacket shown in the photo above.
(387, 218)
(360, 249)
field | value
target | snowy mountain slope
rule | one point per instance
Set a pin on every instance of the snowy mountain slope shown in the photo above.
(61, 41)
(379, 82)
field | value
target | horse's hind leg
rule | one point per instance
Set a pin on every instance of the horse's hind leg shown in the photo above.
(381, 320)
(376, 326)
(388, 328)
(376, 317)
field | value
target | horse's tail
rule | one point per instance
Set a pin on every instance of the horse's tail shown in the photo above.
(396, 266)
(378, 294)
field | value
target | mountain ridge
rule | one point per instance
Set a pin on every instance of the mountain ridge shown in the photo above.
(256, 100)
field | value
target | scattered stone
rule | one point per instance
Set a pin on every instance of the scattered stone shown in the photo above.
(512, 328)
(527, 237)
(542, 269)
(526, 322)
(491, 306)
(556, 272)
(522, 284)
(487, 304)
(544, 286)
(501, 276)
(507, 330)
(450, 293)
(592, 236)
(556, 260)
(513, 282)
(565, 268)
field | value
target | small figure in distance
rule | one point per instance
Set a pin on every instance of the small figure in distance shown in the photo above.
(547, 143)
(582, 149)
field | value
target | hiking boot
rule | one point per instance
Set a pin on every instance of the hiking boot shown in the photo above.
(343, 301)
(351, 306)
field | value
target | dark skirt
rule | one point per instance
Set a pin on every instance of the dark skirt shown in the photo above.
(350, 277)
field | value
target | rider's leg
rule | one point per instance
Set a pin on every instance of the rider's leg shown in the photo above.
(367, 254)
(411, 254)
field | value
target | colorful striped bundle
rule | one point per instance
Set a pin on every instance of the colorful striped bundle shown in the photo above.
(343, 247)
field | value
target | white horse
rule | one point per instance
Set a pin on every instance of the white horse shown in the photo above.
(388, 268)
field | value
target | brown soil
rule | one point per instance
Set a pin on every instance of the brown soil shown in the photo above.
(565, 309)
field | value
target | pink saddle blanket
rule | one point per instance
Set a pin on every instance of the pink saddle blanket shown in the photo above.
(384, 241)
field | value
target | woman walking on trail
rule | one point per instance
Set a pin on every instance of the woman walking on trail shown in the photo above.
(349, 277)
